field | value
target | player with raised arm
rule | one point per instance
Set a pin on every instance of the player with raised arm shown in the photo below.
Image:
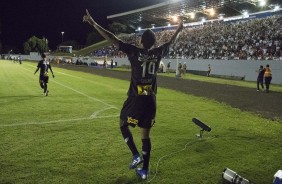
(140, 106)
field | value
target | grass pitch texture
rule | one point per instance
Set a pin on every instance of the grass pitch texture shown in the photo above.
(73, 136)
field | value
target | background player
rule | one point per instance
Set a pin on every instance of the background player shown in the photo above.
(44, 65)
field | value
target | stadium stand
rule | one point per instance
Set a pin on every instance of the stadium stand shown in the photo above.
(229, 34)
(247, 39)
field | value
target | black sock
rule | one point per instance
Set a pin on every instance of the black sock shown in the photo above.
(41, 85)
(45, 88)
(146, 150)
(129, 139)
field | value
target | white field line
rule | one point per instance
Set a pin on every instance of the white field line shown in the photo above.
(70, 75)
(57, 121)
(79, 92)
(93, 116)
(83, 94)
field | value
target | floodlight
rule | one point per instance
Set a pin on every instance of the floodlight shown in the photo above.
(212, 12)
(245, 14)
(62, 36)
(201, 125)
(276, 8)
(233, 177)
(192, 15)
(174, 18)
(262, 3)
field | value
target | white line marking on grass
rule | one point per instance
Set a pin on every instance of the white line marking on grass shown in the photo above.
(79, 92)
(73, 76)
(83, 94)
(57, 121)
(93, 116)
(44, 122)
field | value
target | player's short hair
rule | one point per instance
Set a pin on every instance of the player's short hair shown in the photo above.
(148, 38)
(43, 55)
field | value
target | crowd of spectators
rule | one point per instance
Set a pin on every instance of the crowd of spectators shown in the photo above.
(247, 39)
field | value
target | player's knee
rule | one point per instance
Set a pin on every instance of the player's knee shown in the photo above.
(123, 123)
(145, 133)
(123, 127)
(125, 130)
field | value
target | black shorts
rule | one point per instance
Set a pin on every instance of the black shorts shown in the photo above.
(260, 80)
(43, 78)
(267, 80)
(140, 111)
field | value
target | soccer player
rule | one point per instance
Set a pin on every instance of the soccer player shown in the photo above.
(44, 65)
(139, 109)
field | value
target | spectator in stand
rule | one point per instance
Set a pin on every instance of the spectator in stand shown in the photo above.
(248, 39)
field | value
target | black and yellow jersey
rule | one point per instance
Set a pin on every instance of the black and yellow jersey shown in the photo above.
(144, 67)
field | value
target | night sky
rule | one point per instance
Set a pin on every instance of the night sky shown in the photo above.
(21, 19)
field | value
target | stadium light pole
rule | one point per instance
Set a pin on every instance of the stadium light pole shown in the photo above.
(62, 36)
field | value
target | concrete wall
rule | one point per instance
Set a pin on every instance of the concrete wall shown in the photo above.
(242, 68)
(239, 68)
(34, 56)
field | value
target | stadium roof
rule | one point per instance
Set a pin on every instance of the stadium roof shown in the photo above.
(163, 14)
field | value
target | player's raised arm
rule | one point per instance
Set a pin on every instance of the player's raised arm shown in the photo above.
(105, 33)
(176, 34)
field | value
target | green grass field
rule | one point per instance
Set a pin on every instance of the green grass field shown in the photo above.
(73, 136)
